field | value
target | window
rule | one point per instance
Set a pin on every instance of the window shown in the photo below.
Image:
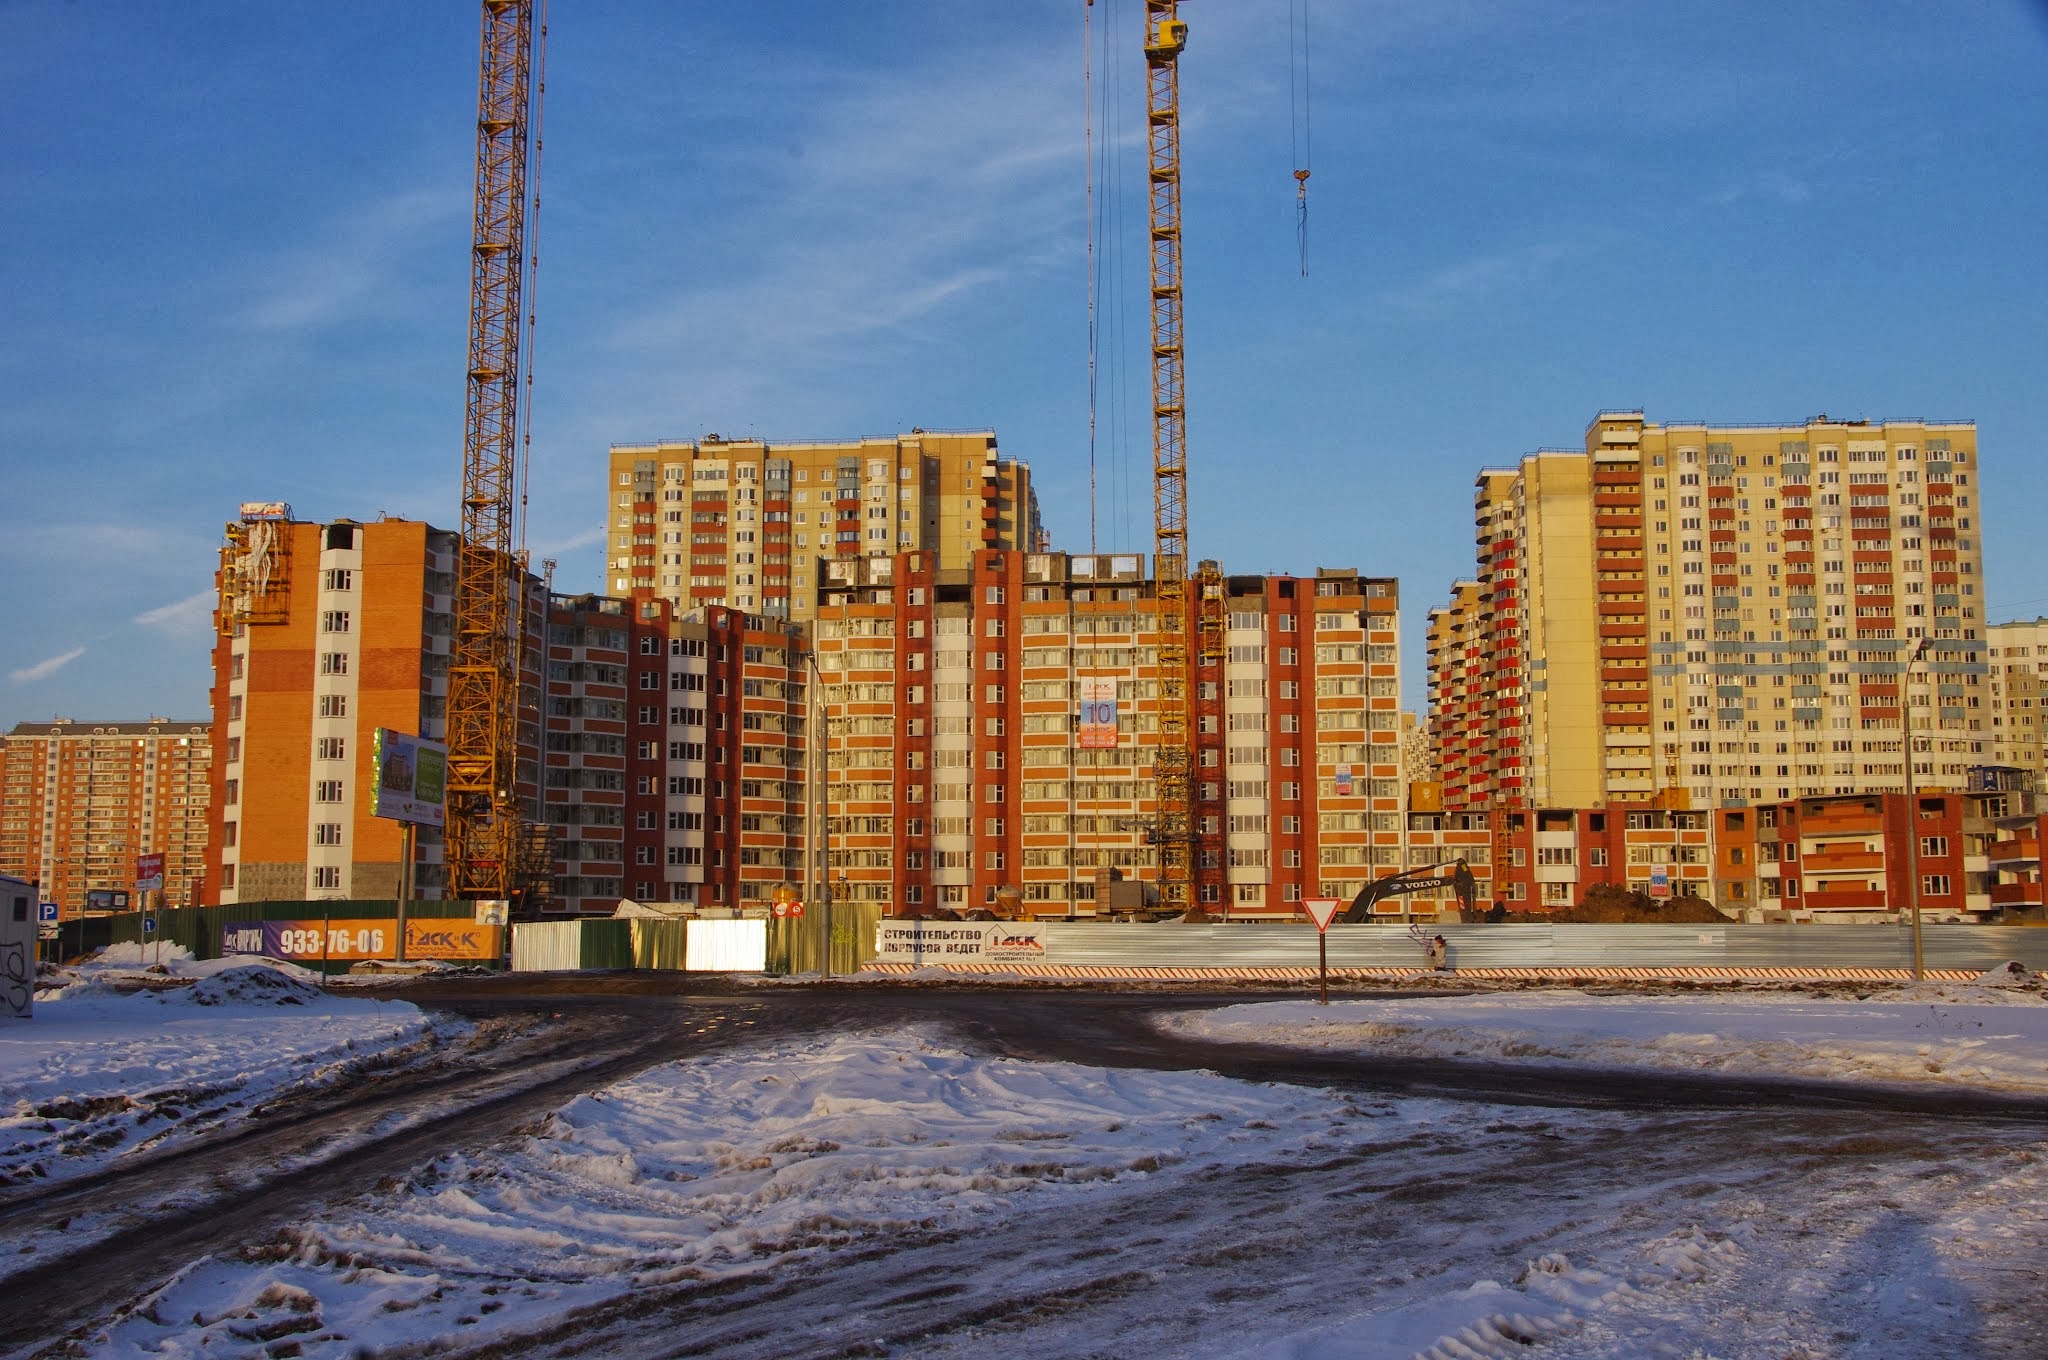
(339, 578)
(331, 748)
(1934, 847)
(327, 876)
(333, 706)
(332, 663)
(327, 791)
(1934, 885)
(327, 833)
(334, 621)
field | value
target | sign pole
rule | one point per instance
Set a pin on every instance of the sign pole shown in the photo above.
(404, 885)
(1322, 910)
(326, 938)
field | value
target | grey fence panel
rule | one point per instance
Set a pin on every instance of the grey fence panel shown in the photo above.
(1392, 947)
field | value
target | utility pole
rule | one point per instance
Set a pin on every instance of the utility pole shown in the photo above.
(1913, 809)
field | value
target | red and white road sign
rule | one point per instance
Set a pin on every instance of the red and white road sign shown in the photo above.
(782, 908)
(149, 872)
(1322, 910)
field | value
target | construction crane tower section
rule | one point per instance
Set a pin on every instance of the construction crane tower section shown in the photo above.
(484, 835)
(1165, 37)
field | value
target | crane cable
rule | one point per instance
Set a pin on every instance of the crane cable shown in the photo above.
(1088, 156)
(540, 90)
(1299, 130)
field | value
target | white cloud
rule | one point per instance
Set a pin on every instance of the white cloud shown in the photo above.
(43, 670)
(910, 196)
(191, 614)
(353, 263)
(1481, 279)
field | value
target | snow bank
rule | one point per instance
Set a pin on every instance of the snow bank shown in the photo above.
(1981, 1036)
(102, 1072)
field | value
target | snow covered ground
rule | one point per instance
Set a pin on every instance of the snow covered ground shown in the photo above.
(1812, 1242)
(1986, 1035)
(101, 1073)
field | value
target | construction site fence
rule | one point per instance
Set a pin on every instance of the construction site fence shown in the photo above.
(199, 929)
(799, 944)
(1395, 948)
(706, 945)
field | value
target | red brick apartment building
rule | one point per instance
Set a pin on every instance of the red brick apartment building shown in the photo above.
(673, 768)
(961, 774)
(79, 800)
(328, 632)
(1833, 858)
(2009, 819)
(665, 754)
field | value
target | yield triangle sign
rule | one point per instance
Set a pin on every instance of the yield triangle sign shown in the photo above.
(1322, 910)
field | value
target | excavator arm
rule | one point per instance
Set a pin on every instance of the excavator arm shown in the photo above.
(1428, 878)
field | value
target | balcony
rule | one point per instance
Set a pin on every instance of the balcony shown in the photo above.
(2013, 851)
(1844, 899)
(1838, 861)
(2016, 894)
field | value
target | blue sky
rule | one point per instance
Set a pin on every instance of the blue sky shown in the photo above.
(233, 244)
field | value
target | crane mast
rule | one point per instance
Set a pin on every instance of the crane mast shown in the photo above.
(1165, 36)
(484, 835)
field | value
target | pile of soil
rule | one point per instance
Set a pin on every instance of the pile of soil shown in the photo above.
(1610, 906)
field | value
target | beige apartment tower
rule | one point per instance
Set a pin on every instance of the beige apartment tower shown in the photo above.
(2019, 678)
(749, 524)
(1733, 614)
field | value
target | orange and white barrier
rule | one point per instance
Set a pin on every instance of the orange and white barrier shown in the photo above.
(1589, 973)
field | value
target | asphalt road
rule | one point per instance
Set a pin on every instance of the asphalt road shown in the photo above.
(101, 1242)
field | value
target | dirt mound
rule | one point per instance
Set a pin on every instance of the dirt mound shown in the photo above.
(1610, 906)
(252, 986)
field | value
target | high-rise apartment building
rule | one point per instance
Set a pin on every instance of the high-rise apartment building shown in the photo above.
(748, 524)
(674, 760)
(1734, 612)
(328, 632)
(992, 730)
(2018, 680)
(80, 800)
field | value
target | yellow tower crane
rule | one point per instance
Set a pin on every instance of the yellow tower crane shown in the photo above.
(1165, 38)
(486, 843)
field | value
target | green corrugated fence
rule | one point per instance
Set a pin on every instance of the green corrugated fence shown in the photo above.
(796, 944)
(560, 946)
(658, 944)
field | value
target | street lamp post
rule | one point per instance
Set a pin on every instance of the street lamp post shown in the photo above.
(1912, 808)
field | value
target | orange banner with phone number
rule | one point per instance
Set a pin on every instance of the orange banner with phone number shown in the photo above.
(453, 939)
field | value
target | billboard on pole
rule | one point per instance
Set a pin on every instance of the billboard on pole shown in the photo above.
(149, 872)
(1098, 713)
(412, 778)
